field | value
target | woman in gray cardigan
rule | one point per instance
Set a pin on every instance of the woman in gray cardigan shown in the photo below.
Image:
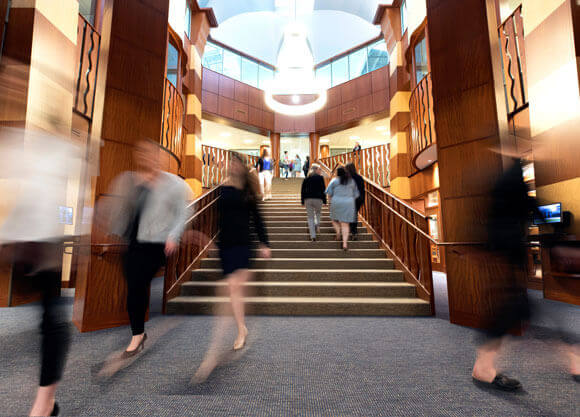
(149, 211)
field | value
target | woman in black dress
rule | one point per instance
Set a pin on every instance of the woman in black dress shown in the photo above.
(237, 209)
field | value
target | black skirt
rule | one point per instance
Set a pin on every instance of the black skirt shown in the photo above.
(235, 258)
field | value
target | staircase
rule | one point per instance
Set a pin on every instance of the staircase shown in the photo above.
(304, 277)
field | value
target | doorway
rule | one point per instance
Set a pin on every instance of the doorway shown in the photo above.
(295, 146)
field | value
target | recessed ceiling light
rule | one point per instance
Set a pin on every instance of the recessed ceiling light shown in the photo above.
(381, 128)
(248, 140)
(295, 99)
(354, 138)
(225, 134)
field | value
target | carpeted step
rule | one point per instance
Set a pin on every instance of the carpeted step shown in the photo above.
(303, 289)
(337, 275)
(335, 252)
(303, 235)
(368, 244)
(303, 228)
(298, 223)
(310, 263)
(305, 306)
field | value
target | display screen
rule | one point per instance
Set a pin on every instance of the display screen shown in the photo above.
(551, 213)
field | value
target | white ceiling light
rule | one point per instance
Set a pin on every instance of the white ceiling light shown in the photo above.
(225, 134)
(295, 75)
(324, 140)
(248, 141)
(354, 138)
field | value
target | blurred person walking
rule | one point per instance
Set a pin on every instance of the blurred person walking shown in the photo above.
(39, 165)
(149, 211)
(360, 185)
(285, 165)
(296, 166)
(313, 197)
(343, 193)
(306, 167)
(265, 165)
(509, 214)
(238, 208)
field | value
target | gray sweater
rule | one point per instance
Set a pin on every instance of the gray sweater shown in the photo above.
(165, 212)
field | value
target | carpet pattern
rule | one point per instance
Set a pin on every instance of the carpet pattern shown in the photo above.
(293, 366)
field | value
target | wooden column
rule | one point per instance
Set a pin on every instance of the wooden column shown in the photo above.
(314, 146)
(128, 108)
(470, 115)
(552, 48)
(36, 92)
(201, 22)
(275, 149)
(399, 83)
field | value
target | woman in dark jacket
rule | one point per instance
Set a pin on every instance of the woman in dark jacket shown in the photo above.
(313, 197)
(306, 166)
(238, 208)
(360, 185)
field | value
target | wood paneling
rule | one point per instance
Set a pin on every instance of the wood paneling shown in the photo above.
(241, 92)
(227, 88)
(348, 91)
(256, 98)
(241, 112)
(255, 116)
(469, 122)
(210, 101)
(380, 101)
(380, 78)
(226, 107)
(211, 81)
(363, 85)
(334, 116)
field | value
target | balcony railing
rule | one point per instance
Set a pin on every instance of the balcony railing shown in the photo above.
(422, 122)
(372, 163)
(511, 35)
(172, 122)
(216, 162)
(89, 45)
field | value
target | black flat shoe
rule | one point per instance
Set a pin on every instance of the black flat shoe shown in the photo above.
(500, 382)
(130, 353)
(55, 409)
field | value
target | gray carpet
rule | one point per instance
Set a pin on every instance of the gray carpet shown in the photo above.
(293, 366)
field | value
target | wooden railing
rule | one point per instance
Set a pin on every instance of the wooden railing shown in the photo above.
(511, 35)
(403, 232)
(172, 121)
(372, 163)
(200, 232)
(215, 165)
(89, 45)
(422, 118)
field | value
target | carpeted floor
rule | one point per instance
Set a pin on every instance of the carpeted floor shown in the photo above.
(293, 366)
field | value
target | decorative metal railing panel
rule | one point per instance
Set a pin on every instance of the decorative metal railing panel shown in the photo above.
(511, 35)
(215, 165)
(422, 118)
(372, 163)
(89, 45)
(172, 121)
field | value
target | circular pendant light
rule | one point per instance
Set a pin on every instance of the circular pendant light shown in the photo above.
(295, 76)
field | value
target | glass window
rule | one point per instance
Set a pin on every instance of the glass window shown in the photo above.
(213, 57)
(172, 63)
(87, 9)
(358, 63)
(404, 16)
(264, 74)
(324, 74)
(421, 68)
(249, 72)
(232, 66)
(378, 56)
(188, 19)
(340, 71)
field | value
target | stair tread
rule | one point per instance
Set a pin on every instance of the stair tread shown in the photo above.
(312, 259)
(330, 271)
(329, 284)
(302, 300)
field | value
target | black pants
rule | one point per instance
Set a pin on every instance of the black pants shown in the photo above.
(34, 261)
(140, 263)
(354, 226)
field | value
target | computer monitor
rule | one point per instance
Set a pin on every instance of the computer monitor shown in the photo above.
(551, 213)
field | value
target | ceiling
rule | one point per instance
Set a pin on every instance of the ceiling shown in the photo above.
(255, 27)
(368, 135)
(227, 137)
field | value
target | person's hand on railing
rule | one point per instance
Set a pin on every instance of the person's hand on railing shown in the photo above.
(171, 247)
(265, 252)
